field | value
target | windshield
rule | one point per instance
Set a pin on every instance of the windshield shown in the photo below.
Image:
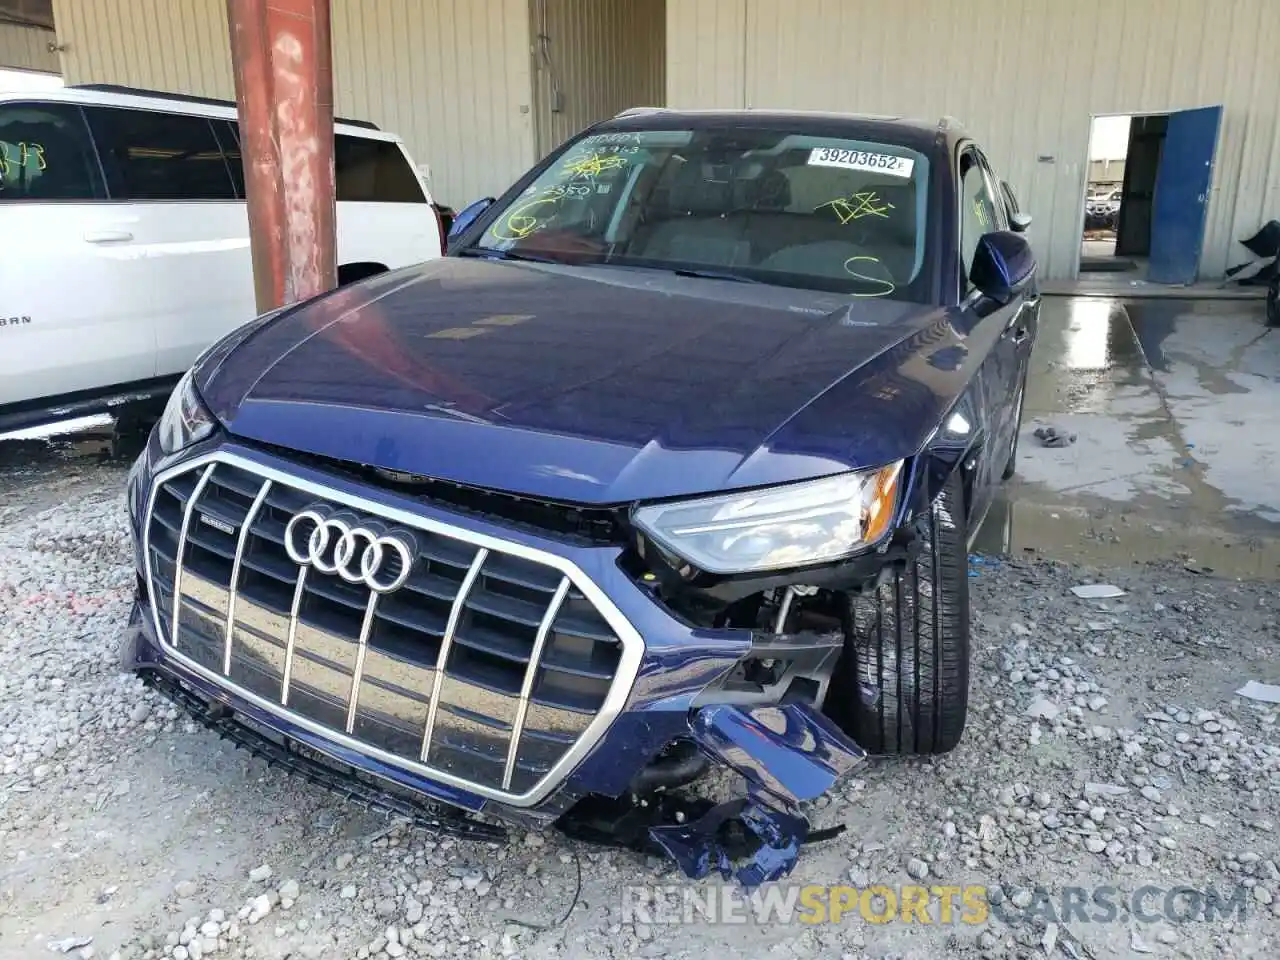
(844, 216)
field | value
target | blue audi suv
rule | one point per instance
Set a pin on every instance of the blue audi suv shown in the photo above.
(671, 464)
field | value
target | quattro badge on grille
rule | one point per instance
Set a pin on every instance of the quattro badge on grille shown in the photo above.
(357, 549)
(218, 524)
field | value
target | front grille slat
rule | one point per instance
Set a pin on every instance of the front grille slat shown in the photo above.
(336, 591)
(432, 586)
(530, 674)
(199, 537)
(451, 553)
(270, 565)
(494, 643)
(522, 573)
(269, 528)
(506, 608)
(291, 644)
(563, 663)
(442, 664)
(362, 646)
(180, 558)
(221, 510)
(482, 666)
(245, 526)
(419, 619)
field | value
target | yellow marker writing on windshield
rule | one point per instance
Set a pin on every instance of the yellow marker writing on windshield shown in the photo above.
(858, 205)
(527, 218)
(593, 164)
(851, 267)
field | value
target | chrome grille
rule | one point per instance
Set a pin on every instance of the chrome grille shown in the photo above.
(495, 667)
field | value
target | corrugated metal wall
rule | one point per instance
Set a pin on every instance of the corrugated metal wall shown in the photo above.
(450, 76)
(604, 55)
(706, 53)
(178, 45)
(26, 48)
(1024, 77)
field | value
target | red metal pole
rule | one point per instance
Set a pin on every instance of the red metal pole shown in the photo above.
(283, 67)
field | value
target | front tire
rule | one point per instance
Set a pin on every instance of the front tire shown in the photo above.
(902, 684)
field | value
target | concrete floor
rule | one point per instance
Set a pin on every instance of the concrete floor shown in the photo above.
(1176, 405)
(1098, 248)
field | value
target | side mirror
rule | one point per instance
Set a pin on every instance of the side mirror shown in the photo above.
(1019, 222)
(467, 216)
(1003, 264)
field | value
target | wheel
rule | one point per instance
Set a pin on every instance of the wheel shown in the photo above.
(1012, 465)
(902, 684)
(1273, 302)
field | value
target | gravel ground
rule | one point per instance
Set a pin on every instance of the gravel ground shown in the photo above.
(1106, 746)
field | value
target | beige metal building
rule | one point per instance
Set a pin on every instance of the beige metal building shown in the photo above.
(24, 48)
(479, 88)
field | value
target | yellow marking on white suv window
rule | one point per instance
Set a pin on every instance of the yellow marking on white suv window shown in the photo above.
(14, 157)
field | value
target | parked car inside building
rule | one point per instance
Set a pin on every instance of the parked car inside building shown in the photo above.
(128, 248)
(673, 461)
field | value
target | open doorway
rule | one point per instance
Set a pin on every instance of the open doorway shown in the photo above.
(1146, 192)
(1112, 162)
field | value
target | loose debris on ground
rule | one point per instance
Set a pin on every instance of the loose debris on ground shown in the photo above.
(1054, 437)
(1107, 746)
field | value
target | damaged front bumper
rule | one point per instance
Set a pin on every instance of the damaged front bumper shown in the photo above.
(743, 699)
(787, 755)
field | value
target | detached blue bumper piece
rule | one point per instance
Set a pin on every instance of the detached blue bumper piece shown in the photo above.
(788, 754)
(792, 752)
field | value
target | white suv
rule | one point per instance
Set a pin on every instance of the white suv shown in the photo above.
(127, 239)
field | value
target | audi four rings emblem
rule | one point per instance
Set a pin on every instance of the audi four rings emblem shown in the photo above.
(358, 551)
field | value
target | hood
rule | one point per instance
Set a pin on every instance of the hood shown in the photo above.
(585, 384)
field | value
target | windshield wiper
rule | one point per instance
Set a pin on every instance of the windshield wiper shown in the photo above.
(713, 275)
(490, 253)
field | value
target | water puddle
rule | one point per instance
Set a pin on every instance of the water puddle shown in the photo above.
(1107, 537)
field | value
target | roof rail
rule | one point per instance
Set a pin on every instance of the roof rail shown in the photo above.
(637, 111)
(187, 98)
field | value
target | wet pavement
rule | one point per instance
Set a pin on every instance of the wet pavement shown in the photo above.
(1175, 404)
(1176, 408)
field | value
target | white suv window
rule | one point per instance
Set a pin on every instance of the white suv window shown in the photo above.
(373, 171)
(45, 154)
(149, 155)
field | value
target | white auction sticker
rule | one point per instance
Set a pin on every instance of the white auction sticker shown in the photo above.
(861, 160)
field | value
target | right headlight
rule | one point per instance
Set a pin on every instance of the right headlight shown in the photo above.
(795, 525)
(185, 420)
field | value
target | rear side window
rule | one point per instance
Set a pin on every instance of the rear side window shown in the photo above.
(160, 156)
(373, 171)
(45, 154)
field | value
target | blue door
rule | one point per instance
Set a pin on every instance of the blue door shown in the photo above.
(1182, 193)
